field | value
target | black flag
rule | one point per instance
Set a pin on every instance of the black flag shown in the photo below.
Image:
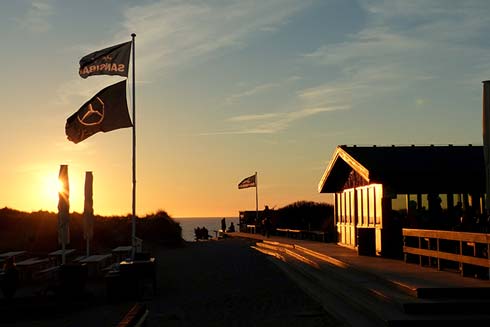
(109, 61)
(106, 111)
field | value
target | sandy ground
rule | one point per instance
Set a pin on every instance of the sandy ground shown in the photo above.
(214, 283)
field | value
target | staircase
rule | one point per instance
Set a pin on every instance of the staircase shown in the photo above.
(360, 298)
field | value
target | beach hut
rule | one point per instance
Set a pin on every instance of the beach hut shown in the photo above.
(376, 187)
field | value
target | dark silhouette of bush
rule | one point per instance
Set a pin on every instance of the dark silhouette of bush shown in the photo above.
(38, 231)
(159, 227)
(306, 215)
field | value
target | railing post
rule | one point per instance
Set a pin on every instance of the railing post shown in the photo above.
(438, 257)
(420, 246)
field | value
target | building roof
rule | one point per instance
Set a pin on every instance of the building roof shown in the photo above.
(409, 169)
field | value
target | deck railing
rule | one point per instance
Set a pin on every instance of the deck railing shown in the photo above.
(440, 248)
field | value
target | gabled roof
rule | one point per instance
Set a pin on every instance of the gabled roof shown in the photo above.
(409, 169)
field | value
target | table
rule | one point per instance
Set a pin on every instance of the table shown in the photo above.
(96, 263)
(60, 252)
(122, 252)
(10, 254)
(6, 255)
(29, 266)
(57, 255)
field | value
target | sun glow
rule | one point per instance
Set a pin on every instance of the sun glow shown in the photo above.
(51, 186)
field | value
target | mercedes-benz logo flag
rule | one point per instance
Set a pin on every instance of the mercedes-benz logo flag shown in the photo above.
(109, 61)
(106, 111)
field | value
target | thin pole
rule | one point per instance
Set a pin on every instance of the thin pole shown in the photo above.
(133, 217)
(486, 142)
(63, 210)
(256, 199)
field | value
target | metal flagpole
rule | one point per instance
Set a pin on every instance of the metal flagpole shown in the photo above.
(133, 217)
(486, 142)
(256, 199)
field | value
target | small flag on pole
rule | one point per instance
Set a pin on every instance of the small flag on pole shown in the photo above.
(248, 182)
(109, 61)
(106, 111)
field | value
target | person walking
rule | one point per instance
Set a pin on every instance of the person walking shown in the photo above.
(266, 222)
(223, 225)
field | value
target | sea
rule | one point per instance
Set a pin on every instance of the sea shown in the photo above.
(212, 225)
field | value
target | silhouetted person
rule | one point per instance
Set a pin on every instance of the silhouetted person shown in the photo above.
(10, 279)
(412, 215)
(223, 225)
(456, 215)
(423, 218)
(205, 234)
(468, 219)
(198, 233)
(266, 222)
(231, 229)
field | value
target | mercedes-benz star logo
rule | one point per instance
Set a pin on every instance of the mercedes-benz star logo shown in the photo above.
(93, 113)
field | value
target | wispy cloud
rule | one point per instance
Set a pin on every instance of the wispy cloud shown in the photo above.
(257, 89)
(332, 93)
(254, 117)
(271, 123)
(262, 88)
(171, 33)
(36, 17)
(406, 42)
(81, 90)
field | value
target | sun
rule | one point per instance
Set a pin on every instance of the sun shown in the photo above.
(51, 187)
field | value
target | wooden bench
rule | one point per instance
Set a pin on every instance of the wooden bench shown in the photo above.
(317, 235)
(251, 229)
(282, 231)
(47, 273)
(294, 233)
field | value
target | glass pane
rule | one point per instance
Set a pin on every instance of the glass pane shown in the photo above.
(365, 206)
(359, 207)
(379, 210)
(372, 198)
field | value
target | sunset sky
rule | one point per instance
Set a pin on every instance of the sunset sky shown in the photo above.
(229, 87)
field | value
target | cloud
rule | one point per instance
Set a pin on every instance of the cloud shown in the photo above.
(36, 18)
(333, 93)
(404, 43)
(258, 89)
(271, 123)
(171, 33)
(253, 117)
(262, 88)
(76, 90)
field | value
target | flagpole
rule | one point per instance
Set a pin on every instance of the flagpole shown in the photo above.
(256, 199)
(133, 217)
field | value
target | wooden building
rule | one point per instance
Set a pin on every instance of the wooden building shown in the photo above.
(376, 188)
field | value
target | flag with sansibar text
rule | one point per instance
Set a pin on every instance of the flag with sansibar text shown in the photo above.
(109, 61)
